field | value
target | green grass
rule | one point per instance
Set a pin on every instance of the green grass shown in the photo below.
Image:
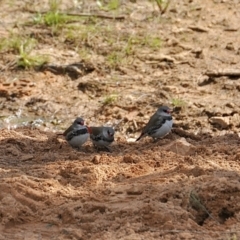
(54, 5)
(115, 59)
(110, 6)
(27, 61)
(153, 42)
(122, 52)
(110, 99)
(162, 5)
(22, 47)
(136, 41)
(15, 42)
(53, 18)
(177, 102)
(83, 33)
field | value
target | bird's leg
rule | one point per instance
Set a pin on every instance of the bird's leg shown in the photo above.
(77, 148)
(108, 148)
(95, 146)
(155, 140)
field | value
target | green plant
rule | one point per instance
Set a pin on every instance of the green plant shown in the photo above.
(134, 42)
(54, 5)
(22, 46)
(177, 102)
(153, 42)
(112, 5)
(114, 59)
(110, 99)
(26, 60)
(129, 49)
(233, 237)
(84, 53)
(162, 5)
(12, 43)
(196, 203)
(53, 17)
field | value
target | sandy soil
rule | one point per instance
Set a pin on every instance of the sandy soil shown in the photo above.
(186, 186)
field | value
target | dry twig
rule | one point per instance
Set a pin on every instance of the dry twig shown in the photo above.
(224, 72)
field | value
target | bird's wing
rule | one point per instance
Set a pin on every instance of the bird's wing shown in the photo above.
(96, 130)
(97, 134)
(76, 132)
(68, 131)
(155, 123)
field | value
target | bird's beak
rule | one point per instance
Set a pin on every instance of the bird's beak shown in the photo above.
(170, 111)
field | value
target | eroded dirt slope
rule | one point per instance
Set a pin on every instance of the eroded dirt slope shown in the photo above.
(140, 191)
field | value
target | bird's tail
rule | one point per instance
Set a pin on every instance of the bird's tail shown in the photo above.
(140, 137)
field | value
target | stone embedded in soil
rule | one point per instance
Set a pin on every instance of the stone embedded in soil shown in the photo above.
(134, 191)
(96, 159)
(130, 159)
(27, 157)
(181, 146)
(235, 120)
(223, 122)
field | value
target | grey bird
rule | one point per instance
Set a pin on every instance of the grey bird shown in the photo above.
(102, 137)
(77, 134)
(159, 125)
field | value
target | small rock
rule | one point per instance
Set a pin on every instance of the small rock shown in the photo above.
(235, 120)
(204, 80)
(223, 122)
(134, 191)
(26, 157)
(130, 159)
(181, 146)
(96, 159)
(230, 46)
(185, 235)
(131, 139)
(138, 15)
(230, 105)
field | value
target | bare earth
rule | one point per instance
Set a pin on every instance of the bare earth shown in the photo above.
(185, 186)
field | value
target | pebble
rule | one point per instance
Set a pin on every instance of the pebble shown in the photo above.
(223, 122)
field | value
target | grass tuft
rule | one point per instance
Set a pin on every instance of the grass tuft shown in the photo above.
(177, 102)
(22, 47)
(110, 99)
(110, 6)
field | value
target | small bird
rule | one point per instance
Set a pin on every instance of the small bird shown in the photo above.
(102, 136)
(159, 125)
(77, 134)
